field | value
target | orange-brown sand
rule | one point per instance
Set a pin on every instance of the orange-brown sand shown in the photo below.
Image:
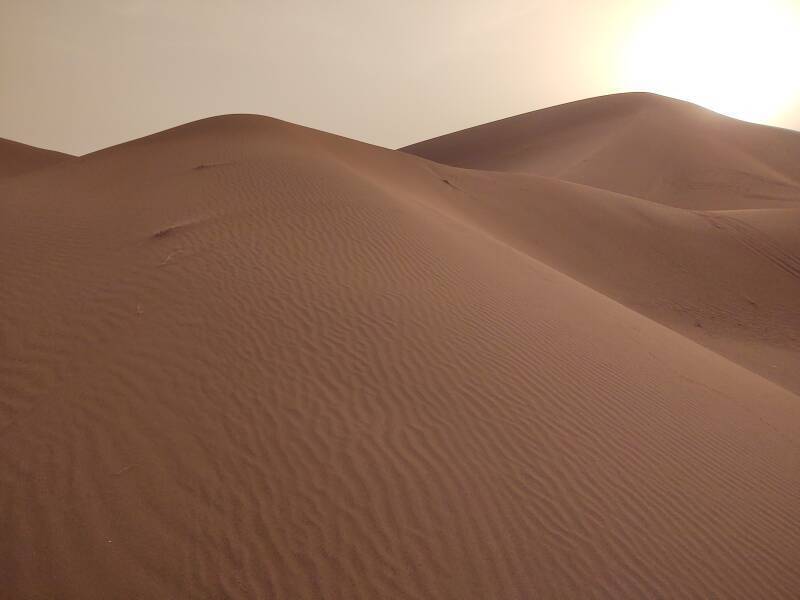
(246, 359)
(643, 145)
(16, 158)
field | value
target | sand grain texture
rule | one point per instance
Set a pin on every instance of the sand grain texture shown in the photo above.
(244, 359)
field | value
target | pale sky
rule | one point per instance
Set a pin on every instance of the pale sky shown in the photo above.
(80, 75)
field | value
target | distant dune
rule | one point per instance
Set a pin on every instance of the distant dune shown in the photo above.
(246, 359)
(642, 145)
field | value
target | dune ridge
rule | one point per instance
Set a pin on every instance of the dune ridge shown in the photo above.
(242, 358)
(638, 144)
(727, 280)
(17, 158)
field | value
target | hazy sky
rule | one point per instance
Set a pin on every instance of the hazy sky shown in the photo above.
(79, 75)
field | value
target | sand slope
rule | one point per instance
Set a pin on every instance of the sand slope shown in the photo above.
(642, 145)
(729, 280)
(16, 158)
(244, 359)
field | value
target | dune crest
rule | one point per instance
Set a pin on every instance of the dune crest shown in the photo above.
(17, 158)
(638, 144)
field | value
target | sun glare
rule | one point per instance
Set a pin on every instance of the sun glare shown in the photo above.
(737, 57)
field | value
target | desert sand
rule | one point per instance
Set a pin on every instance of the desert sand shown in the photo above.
(246, 359)
(16, 158)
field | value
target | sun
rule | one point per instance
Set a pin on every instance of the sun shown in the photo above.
(737, 57)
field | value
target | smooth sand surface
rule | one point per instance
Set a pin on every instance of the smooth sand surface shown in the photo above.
(643, 145)
(17, 158)
(245, 359)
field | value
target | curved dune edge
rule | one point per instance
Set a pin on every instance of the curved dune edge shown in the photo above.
(18, 159)
(729, 280)
(246, 359)
(641, 145)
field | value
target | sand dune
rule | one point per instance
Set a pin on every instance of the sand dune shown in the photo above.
(642, 145)
(245, 359)
(16, 158)
(729, 280)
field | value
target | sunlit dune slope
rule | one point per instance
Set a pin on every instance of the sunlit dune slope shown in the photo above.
(16, 158)
(727, 279)
(642, 145)
(244, 359)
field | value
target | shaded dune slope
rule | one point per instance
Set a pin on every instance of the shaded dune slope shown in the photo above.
(641, 145)
(17, 158)
(246, 359)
